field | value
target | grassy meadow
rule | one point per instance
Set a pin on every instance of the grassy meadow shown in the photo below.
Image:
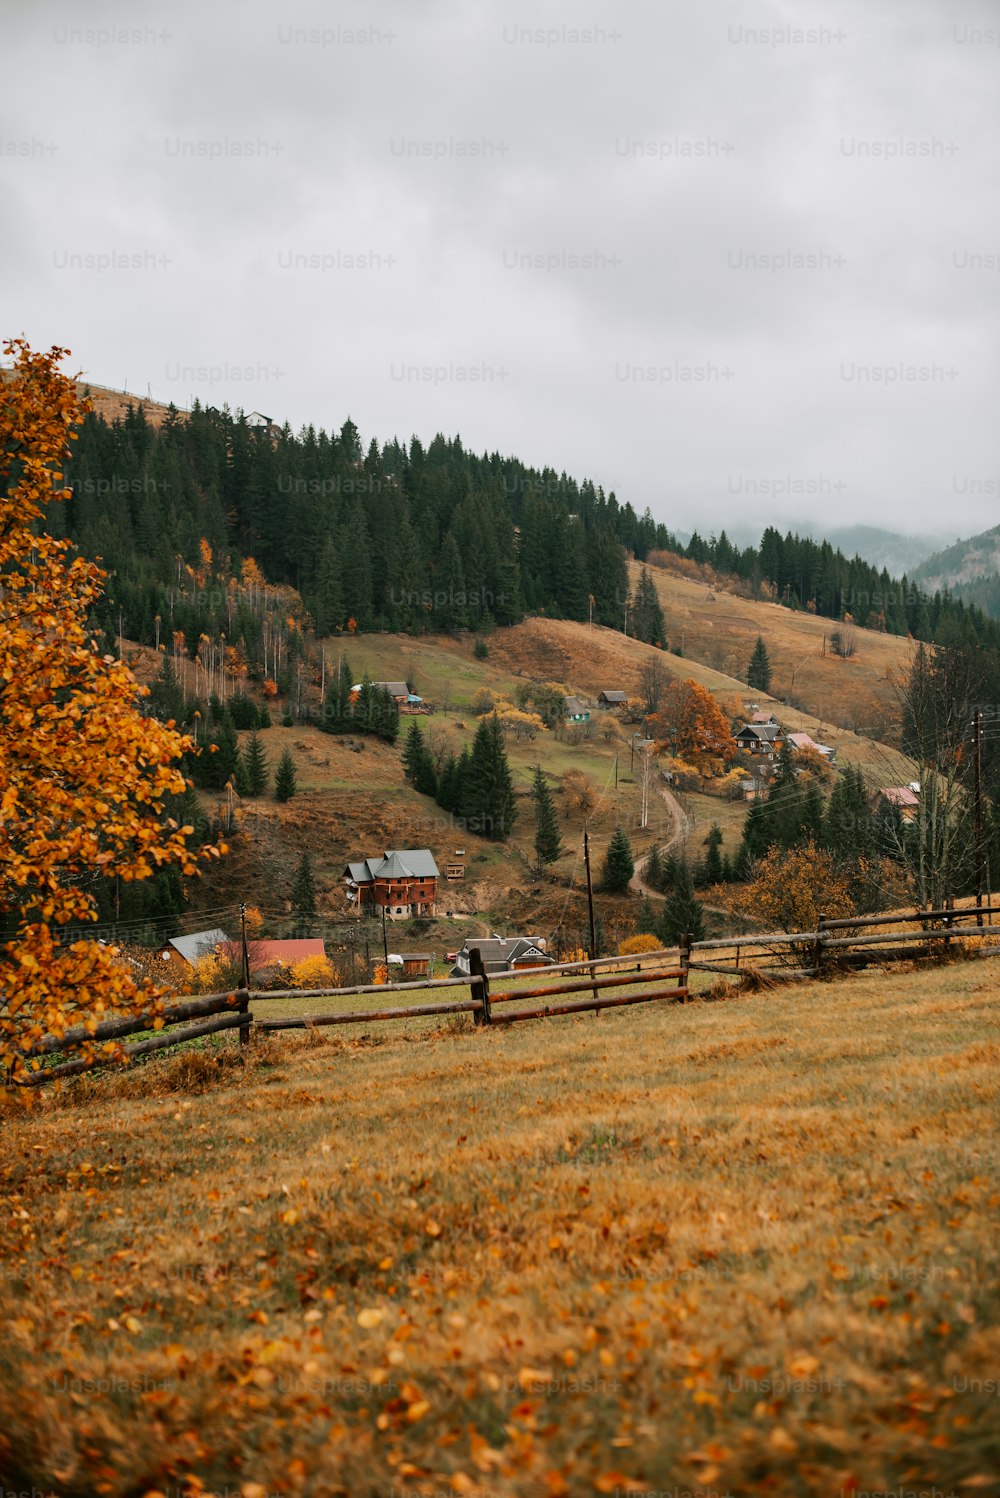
(739, 1247)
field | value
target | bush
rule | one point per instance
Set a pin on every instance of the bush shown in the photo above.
(481, 650)
(642, 943)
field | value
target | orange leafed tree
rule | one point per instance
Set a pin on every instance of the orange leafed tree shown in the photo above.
(692, 726)
(84, 775)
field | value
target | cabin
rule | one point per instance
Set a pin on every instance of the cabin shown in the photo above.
(185, 951)
(500, 953)
(761, 717)
(398, 691)
(611, 699)
(400, 884)
(905, 798)
(454, 867)
(806, 741)
(759, 738)
(752, 789)
(576, 710)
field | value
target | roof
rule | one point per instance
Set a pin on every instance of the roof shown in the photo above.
(498, 951)
(899, 795)
(417, 956)
(394, 688)
(574, 705)
(766, 732)
(763, 718)
(198, 944)
(396, 863)
(614, 696)
(802, 741)
(267, 953)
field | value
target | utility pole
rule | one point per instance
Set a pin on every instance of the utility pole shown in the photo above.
(590, 896)
(246, 953)
(385, 944)
(977, 724)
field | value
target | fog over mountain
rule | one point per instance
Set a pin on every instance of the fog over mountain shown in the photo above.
(737, 265)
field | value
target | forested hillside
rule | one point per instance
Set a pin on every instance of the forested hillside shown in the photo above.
(405, 537)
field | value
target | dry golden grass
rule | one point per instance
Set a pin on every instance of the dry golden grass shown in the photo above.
(744, 1247)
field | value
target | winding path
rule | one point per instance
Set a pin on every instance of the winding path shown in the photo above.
(683, 824)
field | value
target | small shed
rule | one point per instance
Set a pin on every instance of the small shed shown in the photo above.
(611, 699)
(416, 964)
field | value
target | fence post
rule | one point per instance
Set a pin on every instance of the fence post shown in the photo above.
(684, 952)
(243, 995)
(948, 921)
(480, 1016)
(818, 945)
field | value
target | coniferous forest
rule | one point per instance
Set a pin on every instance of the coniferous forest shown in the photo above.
(403, 537)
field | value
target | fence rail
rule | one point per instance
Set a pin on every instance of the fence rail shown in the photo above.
(775, 951)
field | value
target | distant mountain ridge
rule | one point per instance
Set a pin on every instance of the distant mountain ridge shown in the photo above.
(891, 550)
(970, 569)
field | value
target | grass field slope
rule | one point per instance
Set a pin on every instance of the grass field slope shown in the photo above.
(743, 1247)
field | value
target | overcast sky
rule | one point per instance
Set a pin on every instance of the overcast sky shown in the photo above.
(702, 253)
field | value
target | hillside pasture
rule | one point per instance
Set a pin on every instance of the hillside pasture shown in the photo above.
(742, 1247)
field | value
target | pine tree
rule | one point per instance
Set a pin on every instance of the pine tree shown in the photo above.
(759, 672)
(284, 781)
(713, 859)
(258, 771)
(222, 764)
(647, 615)
(646, 921)
(548, 844)
(653, 875)
(304, 893)
(619, 865)
(241, 780)
(682, 911)
(166, 696)
(328, 606)
(413, 751)
(487, 804)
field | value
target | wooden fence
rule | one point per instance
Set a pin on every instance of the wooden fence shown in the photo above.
(216, 1012)
(493, 998)
(213, 1012)
(846, 942)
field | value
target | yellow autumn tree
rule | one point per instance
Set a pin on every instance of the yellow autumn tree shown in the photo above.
(84, 775)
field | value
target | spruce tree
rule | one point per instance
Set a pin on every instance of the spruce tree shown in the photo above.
(487, 804)
(304, 893)
(418, 765)
(682, 911)
(713, 872)
(646, 921)
(258, 771)
(413, 749)
(619, 865)
(647, 615)
(653, 875)
(548, 844)
(166, 696)
(759, 672)
(284, 781)
(241, 780)
(223, 762)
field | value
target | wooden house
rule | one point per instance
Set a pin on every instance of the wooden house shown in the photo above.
(402, 883)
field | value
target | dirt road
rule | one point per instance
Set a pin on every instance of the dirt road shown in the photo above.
(683, 823)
